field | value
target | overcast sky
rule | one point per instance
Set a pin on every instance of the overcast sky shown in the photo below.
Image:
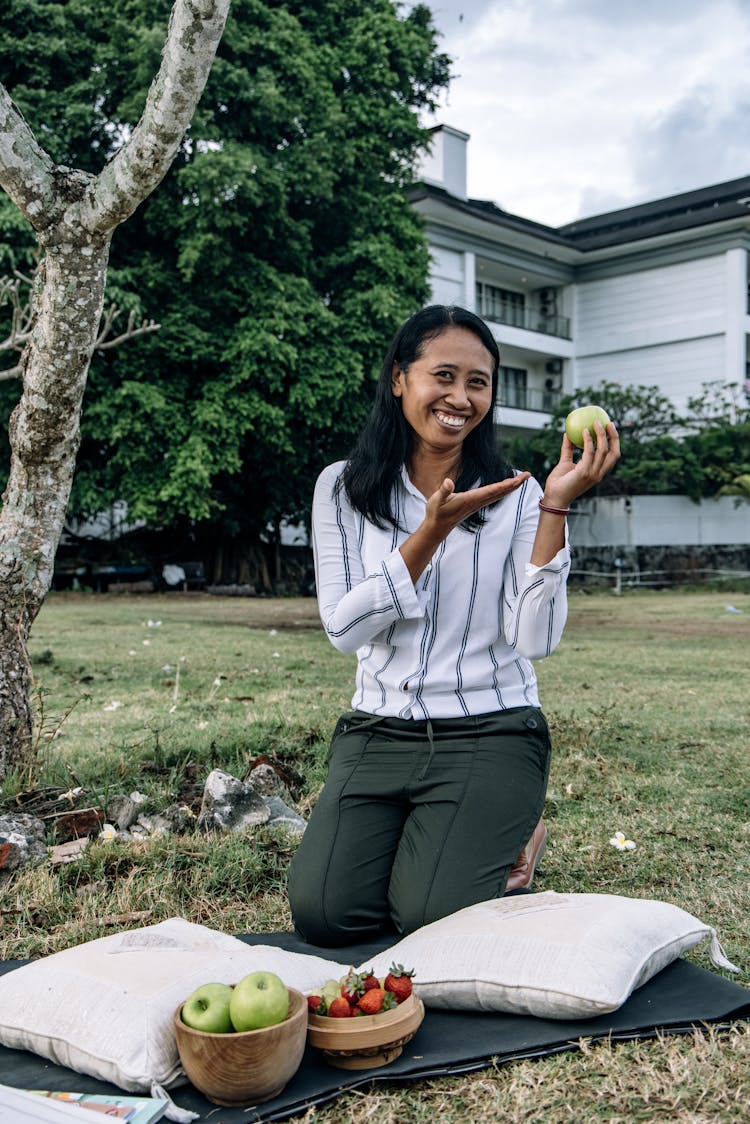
(576, 107)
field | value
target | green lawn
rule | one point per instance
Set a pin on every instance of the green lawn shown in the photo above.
(648, 701)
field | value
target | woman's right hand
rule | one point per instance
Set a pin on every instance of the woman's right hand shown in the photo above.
(445, 509)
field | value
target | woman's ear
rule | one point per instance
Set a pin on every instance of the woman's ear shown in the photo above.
(397, 381)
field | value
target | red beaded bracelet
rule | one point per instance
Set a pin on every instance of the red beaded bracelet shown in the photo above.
(554, 510)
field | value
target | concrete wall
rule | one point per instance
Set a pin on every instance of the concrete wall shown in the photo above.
(660, 521)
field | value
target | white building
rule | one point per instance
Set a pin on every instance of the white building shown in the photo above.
(655, 294)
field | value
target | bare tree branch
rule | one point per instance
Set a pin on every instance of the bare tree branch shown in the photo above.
(23, 316)
(26, 170)
(195, 29)
(132, 329)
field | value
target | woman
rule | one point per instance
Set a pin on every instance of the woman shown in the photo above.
(445, 571)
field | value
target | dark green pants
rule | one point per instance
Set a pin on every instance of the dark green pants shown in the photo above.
(416, 820)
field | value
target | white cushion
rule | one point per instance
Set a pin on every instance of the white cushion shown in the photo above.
(553, 955)
(105, 1007)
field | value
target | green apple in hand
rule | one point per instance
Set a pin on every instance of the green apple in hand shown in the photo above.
(207, 1009)
(584, 418)
(258, 1000)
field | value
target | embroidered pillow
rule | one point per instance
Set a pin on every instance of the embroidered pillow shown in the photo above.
(105, 1007)
(553, 955)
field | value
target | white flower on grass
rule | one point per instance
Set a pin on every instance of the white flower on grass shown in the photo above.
(138, 797)
(71, 794)
(172, 709)
(132, 652)
(275, 655)
(201, 725)
(217, 681)
(108, 833)
(153, 624)
(145, 641)
(619, 841)
(114, 705)
(169, 667)
(274, 632)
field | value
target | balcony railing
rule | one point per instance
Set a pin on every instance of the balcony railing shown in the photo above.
(524, 318)
(527, 398)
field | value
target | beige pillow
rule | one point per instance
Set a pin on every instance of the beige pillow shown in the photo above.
(105, 1007)
(553, 955)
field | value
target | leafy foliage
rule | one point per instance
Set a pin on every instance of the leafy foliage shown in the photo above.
(278, 255)
(664, 452)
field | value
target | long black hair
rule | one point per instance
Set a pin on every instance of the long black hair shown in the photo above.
(385, 442)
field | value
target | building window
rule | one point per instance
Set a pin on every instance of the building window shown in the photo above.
(513, 388)
(504, 306)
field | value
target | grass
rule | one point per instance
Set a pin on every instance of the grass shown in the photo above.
(648, 703)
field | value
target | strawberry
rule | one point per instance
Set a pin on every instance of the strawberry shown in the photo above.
(339, 1008)
(375, 1000)
(352, 986)
(315, 1003)
(370, 980)
(398, 981)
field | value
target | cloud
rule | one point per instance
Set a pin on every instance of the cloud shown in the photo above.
(695, 139)
(577, 106)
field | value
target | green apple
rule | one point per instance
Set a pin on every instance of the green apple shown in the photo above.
(207, 1009)
(258, 1000)
(584, 418)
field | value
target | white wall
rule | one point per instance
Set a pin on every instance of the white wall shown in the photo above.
(678, 369)
(447, 276)
(662, 326)
(660, 521)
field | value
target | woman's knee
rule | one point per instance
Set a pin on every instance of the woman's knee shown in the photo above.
(325, 922)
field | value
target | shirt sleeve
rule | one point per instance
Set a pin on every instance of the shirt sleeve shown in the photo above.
(535, 598)
(355, 605)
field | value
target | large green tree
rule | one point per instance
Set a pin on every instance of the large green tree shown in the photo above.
(278, 255)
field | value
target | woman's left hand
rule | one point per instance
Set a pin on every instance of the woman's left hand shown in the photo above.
(569, 479)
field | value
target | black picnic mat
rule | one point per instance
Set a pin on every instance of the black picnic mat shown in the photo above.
(676, 1001)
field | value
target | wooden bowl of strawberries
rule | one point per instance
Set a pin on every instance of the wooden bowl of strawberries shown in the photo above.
(361, 1021)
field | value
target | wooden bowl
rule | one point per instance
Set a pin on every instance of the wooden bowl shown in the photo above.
(244, 1068)
(366, 1041)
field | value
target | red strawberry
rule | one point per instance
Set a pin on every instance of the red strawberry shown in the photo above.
(370, 980)
(352, 987)
(375, 1000)
(339, 1008)
(315, 1003)
(398, 981)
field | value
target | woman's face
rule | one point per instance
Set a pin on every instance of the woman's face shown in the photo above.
(447, 391)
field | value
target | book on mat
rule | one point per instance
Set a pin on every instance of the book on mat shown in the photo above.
(45, 1106)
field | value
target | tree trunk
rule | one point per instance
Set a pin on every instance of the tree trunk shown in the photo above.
(44, 436)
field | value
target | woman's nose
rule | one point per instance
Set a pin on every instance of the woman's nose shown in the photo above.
(458, 394)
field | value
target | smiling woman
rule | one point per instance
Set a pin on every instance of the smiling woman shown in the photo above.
(445, 394)
(445, 570)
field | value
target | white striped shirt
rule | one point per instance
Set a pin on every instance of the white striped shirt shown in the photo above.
(459, 643)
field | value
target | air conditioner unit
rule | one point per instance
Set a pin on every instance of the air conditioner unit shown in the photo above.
(548, 302)
(553, 366)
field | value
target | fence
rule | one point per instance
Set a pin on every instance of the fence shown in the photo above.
(658, 579)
